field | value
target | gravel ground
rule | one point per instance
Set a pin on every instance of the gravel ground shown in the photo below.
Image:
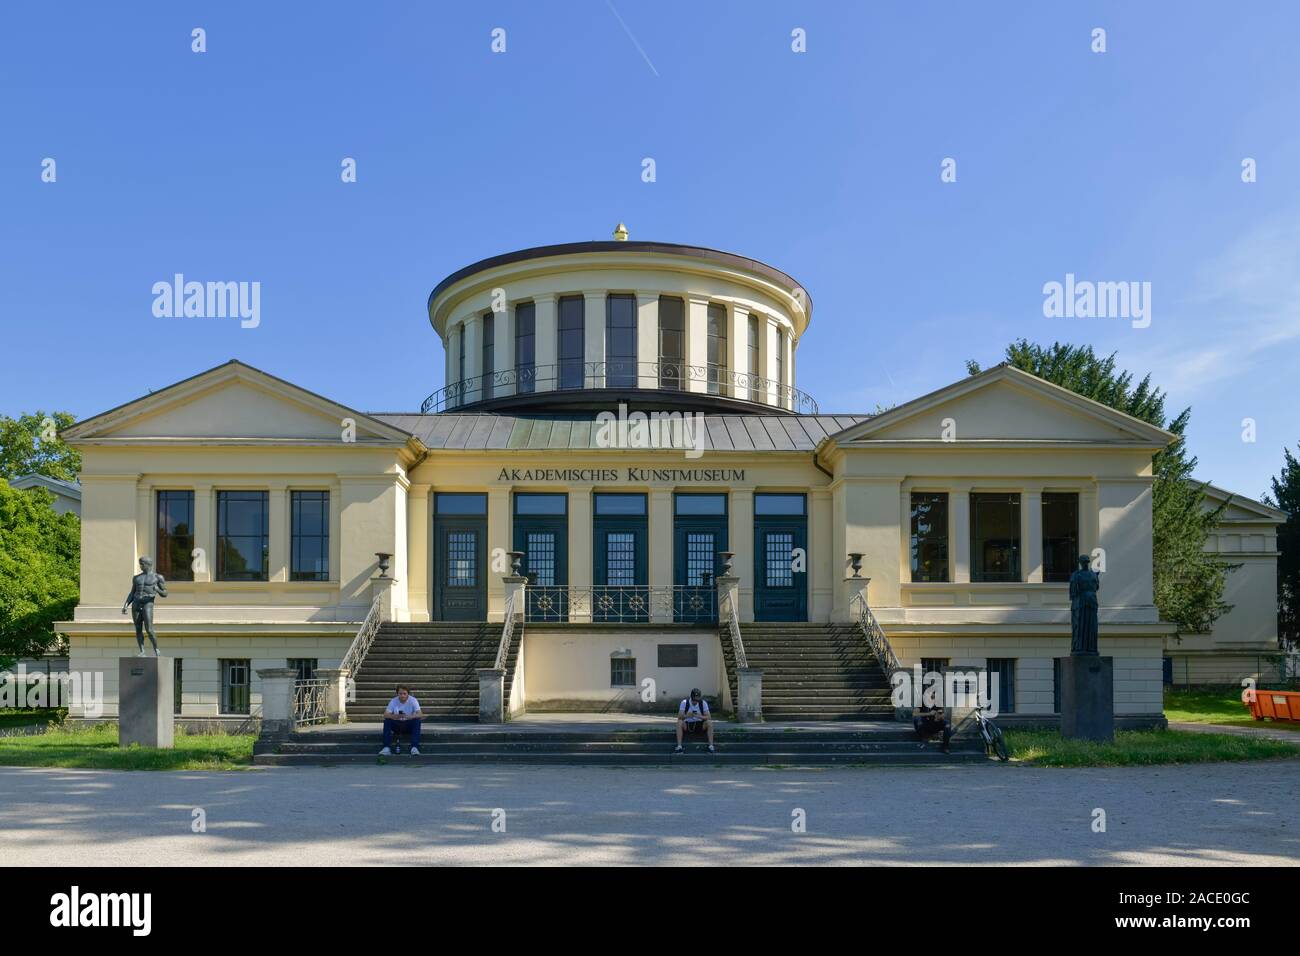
(1207, 814)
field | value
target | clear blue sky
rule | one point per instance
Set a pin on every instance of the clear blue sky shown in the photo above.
(225, 166)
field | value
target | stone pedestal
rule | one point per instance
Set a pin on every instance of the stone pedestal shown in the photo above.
(277, 700)
(514, 585)
(850, 589)
(382, 589)
(1088, 698)
(749, 691)
(491, 695)
(336, 695)
(145, 690)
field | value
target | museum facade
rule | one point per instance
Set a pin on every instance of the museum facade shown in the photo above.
(621, 431)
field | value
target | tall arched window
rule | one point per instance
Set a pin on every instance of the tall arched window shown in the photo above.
(525, 343)
(754, 380)
(460, 365)
(782, 359)
(672, 342)
(489, 353)
(717, 347)
(620, 341)
(569, 347)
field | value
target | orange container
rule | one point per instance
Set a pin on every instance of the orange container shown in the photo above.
(1274, 704)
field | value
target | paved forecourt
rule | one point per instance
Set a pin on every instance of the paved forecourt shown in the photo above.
(1207, 814)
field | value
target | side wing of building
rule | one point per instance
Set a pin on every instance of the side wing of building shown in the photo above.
(1244, 641)
(263, 506)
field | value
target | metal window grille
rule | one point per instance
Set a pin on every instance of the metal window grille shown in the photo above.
(462, 559)
(779, 549)
(620, 559)
(541, 558)
(700, 555)
(305, 666)
(234, 686)
(622, 672)
(1005, 669)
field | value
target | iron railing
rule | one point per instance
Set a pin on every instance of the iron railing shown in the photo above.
(507, 632)
(309, 702)
(875, 635)
(365, 637)
(622, 604)
(584, 376)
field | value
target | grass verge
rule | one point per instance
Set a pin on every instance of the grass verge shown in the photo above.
(1141, 748)
(1221, 706)
(95, 748)
(31, 716)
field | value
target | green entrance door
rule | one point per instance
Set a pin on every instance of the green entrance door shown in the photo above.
(460, 557)
(542, 535)
(619, 549)
(780, 557)
(699, 533)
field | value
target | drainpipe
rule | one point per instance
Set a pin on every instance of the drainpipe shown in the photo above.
(817, 463)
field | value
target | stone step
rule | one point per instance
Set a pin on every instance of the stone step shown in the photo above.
(885, 742)
(697, 756)
(727, 734)
(470, 743)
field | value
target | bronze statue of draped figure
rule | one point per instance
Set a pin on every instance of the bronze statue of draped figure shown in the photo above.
(1084, 585)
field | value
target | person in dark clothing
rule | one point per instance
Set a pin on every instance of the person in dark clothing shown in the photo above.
(929, 721)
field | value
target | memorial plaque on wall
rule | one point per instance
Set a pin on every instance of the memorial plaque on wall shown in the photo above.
(679, 655)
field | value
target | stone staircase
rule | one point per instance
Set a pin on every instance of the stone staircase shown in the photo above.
(439, 661)
(552, 744)
(812, 672)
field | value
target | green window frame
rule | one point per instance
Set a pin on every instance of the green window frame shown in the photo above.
(243, 538)
(175, 538)
(929, 546)
(995, 535)
(309, 558)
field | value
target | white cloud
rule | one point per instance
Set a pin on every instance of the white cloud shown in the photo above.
(1244, 307)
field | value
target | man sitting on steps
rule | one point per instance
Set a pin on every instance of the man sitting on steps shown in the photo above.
(928, 721)
(693, 719)
(403, 713)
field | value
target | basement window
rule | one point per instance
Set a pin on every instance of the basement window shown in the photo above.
(622, 672)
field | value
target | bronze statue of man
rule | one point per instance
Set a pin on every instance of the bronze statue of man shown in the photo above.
(145, 586)
(1084, 585)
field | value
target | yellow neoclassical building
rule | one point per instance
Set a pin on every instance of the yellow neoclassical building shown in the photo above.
(622, 459)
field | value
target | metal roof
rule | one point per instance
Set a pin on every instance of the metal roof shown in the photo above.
(667, 248)
(491, 431)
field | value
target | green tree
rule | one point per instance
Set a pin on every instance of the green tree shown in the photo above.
(40, 553)
(29, 444)
(1188, 582)
(1286, 496)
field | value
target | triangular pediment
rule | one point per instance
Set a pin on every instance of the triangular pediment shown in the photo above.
(1240, 508)
(233, 402)
(1004, 404)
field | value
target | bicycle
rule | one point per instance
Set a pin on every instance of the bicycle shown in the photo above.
(994, 742)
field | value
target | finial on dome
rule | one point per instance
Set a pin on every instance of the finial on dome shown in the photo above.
(620, 233)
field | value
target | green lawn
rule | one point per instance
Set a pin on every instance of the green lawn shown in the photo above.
(96, 748)
(1134, 748)
(1216, 706)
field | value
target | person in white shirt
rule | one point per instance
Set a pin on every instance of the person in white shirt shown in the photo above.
(403, 714)
(693, 719)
